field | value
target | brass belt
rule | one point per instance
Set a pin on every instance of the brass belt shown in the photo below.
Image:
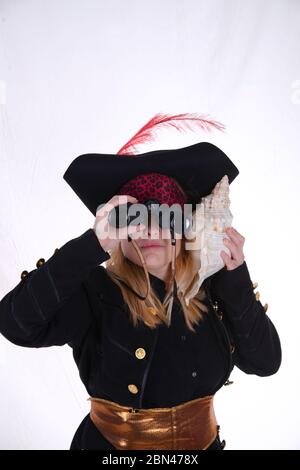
(191, 425)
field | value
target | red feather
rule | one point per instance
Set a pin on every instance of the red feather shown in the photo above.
(181, 122)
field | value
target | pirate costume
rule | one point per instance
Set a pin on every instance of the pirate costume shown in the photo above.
(148, 388)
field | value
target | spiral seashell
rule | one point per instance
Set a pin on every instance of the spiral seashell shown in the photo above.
(210, 219)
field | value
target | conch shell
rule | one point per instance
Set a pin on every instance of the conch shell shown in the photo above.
(210, 218)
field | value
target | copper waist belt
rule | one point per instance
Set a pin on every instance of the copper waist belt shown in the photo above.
(191, 425)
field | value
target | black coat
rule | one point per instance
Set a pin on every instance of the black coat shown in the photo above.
(71, 300)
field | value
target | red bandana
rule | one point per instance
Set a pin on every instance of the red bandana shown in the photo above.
(154, 186)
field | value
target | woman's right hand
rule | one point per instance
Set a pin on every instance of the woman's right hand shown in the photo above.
(105, 232)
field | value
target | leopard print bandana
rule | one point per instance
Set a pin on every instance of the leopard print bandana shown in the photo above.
(154, 186)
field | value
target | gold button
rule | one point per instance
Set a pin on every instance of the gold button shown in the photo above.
(133, 388)
(40, 262)
(140, 353)
(232, 348)
(257, 295)
(24, 274)
(254, 285)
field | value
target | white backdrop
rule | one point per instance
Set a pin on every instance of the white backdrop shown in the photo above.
(79, 77)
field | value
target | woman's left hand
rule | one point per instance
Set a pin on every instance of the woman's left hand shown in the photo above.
(235, 246)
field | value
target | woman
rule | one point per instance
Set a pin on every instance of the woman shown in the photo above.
(151, 363)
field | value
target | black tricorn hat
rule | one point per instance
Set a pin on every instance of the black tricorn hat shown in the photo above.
(97, 177)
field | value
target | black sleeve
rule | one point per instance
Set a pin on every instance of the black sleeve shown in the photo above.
(256, 341)
(50, 306)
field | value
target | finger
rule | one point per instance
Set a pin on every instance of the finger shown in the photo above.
(101, 227)
(227, 260)
(115, 201)
(235, 250)
(235, 235)
(237, 254)
(122, 197)
(224, 257)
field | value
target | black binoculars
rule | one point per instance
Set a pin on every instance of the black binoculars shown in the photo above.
(167, 217)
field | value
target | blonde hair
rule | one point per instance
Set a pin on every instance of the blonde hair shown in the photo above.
(152, 311)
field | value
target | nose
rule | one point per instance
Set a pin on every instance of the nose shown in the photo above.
(152, 230)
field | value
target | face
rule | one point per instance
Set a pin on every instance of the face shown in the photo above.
(158, 256)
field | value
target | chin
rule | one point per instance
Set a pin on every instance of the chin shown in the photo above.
(152, 256)
(153, 263)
